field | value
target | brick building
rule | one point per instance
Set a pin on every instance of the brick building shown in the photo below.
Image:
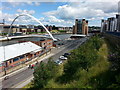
(45, 43)
(15, 54)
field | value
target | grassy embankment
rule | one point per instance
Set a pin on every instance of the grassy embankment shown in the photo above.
(87, 67)
(90, 78)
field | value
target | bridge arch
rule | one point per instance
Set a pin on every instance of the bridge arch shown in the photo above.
(35, 20)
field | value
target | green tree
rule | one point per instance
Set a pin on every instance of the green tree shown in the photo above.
(40, 76)
(81, 58)
(43, 73)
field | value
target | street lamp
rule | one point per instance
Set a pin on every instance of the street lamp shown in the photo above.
(4, 60)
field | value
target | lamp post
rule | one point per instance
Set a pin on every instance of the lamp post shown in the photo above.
(4, 60)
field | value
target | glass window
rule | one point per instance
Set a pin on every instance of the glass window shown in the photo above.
(15, 59)
(21, 57)
(0, 65)
(10, 61)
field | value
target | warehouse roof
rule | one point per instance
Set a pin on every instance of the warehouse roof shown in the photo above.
(14, 50)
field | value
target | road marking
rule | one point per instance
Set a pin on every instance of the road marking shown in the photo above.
(19, 76)
(15, 86)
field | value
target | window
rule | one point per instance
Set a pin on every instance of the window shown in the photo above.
(15, 59)
(10, 61)
(0, 65)
(21, 57)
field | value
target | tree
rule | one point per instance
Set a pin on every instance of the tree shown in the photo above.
(43, 73)
(40, 76)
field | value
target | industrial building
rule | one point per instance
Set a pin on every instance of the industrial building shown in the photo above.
(15, 54)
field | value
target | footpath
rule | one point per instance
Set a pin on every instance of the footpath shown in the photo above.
(28, 80)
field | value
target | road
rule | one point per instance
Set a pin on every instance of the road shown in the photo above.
(24, 75)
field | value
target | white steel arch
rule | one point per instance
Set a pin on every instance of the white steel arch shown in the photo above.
(35, 20)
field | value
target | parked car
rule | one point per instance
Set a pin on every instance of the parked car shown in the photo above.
(60, 43)
(58, 62)
(66, 54)
(63, 58)
(6, 77)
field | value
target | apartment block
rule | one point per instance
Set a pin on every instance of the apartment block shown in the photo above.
(111, 24)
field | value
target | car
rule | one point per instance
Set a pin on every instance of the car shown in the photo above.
(63, 58)
(58, 62)
(66, 54)
(60, 43)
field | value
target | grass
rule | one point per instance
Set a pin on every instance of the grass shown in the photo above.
(97, 76)
(28, 85)
(84, 77)
(54, 31)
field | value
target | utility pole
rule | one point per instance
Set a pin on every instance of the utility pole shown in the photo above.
(4, 60)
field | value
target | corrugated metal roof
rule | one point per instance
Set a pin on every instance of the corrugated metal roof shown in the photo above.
(18, 49)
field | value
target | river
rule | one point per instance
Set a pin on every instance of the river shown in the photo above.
(60, 36)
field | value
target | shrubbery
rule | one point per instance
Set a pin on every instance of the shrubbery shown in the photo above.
(113, 43)
(81, 58)
(43, 73)
(87, 67)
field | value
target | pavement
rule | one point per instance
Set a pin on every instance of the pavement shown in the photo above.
(23, 71)
(22, 77)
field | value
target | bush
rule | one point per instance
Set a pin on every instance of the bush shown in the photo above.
(82, 58)
(43, 73)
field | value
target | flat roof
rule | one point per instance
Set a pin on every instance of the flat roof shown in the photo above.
(14, 50)
(79, 35)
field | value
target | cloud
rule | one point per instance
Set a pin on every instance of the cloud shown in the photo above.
(52, 20)
(20, 11)
(107, 7)
(61, 0)
(37, 3)
(88, 10)
(21, 20)
(29, 3)
(0, 15)
(67, 13)
(15, 4)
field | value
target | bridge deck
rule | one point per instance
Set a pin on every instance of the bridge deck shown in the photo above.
(16, 37)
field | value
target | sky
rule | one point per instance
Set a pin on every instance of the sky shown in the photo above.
(59, 13)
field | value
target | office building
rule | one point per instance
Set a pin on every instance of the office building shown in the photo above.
(119, 7)
(80, 27)
(118, 22)
(111, 24)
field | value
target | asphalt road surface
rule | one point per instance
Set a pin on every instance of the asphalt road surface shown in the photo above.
(24, 75)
